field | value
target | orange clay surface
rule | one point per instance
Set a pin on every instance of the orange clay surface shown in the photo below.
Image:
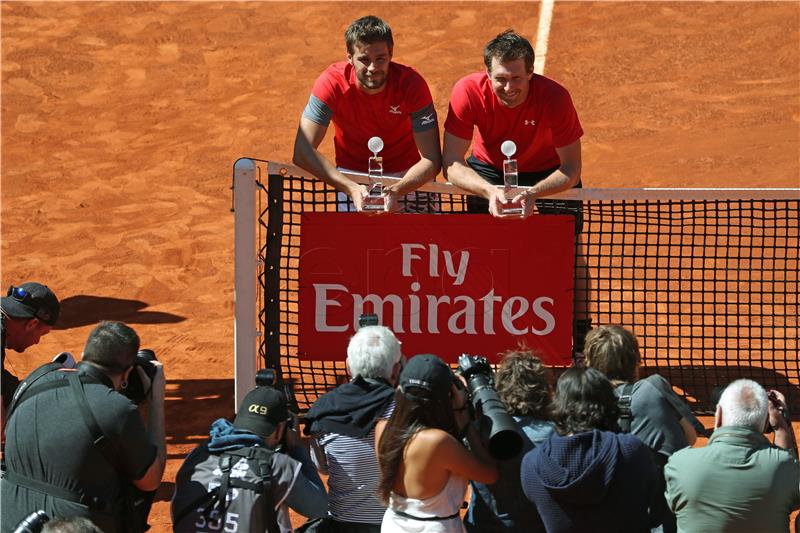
(121, 121)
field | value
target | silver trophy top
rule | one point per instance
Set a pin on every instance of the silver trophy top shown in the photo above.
(375, 145)
(509, 148)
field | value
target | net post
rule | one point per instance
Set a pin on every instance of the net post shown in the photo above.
(245, 277)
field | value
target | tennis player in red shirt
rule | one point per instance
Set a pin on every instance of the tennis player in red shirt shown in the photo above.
(370, 95)
(510, 102)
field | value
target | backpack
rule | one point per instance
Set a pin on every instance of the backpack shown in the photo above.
(236, 493)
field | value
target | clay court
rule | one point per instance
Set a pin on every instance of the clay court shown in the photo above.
(121, 122)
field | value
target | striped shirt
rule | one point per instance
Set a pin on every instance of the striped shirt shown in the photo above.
(353, 476)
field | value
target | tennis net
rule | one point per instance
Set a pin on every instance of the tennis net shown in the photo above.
(706, 279)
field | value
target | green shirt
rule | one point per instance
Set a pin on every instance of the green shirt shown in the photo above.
(738, 482)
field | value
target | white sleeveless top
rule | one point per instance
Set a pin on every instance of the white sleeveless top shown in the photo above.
(446, 503)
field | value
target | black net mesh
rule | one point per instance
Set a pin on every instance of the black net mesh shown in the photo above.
(710, 288)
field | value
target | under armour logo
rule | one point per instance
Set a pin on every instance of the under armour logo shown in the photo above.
(530, 122)
(394, 109)
(426, 119)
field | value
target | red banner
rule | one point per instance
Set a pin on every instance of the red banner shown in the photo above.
(445, 285)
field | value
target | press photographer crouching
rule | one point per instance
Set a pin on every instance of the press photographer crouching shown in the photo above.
(75, 446)
(342, 422)
(523, 386)
(249, 473)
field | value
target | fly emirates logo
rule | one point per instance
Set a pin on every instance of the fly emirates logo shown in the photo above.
(458, 312)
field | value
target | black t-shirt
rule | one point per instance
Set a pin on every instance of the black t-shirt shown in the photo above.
(48, 440)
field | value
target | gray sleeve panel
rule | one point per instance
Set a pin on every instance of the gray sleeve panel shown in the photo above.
(318, 111)
(424, 119)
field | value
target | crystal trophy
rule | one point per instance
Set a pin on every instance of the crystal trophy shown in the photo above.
(510, 176)
(374, 200)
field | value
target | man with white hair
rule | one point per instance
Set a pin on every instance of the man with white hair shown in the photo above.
(343, 424)
(739, 481)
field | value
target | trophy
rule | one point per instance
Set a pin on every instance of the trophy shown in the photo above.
(374, 201)
(510, 175)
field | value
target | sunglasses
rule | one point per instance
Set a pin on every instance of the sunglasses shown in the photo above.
(26, 299)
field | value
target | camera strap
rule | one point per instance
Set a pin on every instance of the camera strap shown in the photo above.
(23, 391)
(97, 435)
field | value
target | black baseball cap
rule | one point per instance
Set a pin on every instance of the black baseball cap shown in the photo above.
(429, 373)
(262, 409)
(31, 300)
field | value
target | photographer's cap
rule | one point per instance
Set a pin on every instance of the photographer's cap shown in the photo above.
(31, 300)
(429, 373)
(262, 409)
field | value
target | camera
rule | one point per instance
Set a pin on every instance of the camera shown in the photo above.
(505, 442)
(135, 390)
(367, 319)
(33, 523)
(268, 377)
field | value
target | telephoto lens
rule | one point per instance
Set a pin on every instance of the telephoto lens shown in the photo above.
(505, 442)
(32, 523)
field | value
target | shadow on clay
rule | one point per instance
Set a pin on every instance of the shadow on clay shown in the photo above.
(84, 310)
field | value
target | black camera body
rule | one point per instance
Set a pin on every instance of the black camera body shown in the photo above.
(135, 390)
(368, 319)
(268, 377)
(505, 441)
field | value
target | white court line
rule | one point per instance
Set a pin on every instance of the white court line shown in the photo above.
(543, 35)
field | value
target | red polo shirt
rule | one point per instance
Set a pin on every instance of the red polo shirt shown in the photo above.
(359, 116)
(546, 120)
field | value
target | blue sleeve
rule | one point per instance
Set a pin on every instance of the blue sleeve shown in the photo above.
(308, 496)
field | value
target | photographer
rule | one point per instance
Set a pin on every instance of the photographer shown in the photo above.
(523, 384)
(247, 475)
(738, 481)
(655, 414)
(586, 476)
(343, 423)
(425, 467)
(75, 446)
(27, 313)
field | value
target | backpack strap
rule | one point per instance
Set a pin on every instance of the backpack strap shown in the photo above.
(624, 403)
(265, 468)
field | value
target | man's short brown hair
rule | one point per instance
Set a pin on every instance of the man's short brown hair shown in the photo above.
(508, 46)
(367, 30)
(614, 351)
